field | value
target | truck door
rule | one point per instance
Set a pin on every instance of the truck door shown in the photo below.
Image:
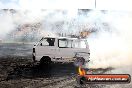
(46, 48)
(65, 48)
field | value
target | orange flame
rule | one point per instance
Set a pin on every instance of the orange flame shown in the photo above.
(81, 71)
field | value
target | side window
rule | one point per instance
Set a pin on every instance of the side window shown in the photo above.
(51, 41)
(79, 44)
(82, 44)
(48, 42)
(70, 43)
(64, 43)
(76, 44)
(44, 43)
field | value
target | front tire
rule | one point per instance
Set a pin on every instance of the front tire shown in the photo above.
(45, 62)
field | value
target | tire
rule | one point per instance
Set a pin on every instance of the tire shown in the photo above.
(81, 80)
(45, 62)
(79, 61)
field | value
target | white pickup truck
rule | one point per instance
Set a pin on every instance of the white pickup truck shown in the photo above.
(61, 49)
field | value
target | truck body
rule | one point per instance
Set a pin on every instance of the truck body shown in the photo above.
(61, 49)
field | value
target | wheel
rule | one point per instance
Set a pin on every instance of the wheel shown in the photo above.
(79, 61)
(45, 62)
(81, 80)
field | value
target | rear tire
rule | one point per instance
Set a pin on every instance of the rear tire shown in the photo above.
(81, 80)
(79, 61)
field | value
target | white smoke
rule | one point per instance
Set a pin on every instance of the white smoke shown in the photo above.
(110, 44)
(10, 19)
(6, 24)
(112, 48)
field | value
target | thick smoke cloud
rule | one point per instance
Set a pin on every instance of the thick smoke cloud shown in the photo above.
(109, 41)
(13, 23)
(6, 24)
(112, 48)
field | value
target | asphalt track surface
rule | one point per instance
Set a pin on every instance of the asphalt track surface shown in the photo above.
(18, 71)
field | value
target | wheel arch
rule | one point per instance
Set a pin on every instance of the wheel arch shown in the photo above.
(45, 57)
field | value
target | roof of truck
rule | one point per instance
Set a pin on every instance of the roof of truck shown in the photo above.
(61, 37)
